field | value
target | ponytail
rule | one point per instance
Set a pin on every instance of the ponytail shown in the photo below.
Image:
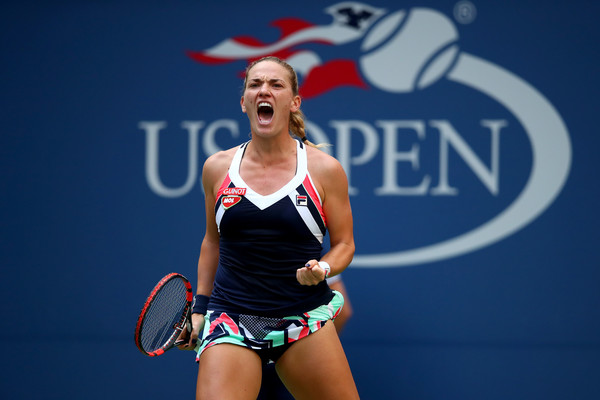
(297, 129)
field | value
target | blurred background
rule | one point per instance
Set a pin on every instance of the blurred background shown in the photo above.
(468, 130)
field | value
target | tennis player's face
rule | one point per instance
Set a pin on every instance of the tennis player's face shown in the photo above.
(268, 98)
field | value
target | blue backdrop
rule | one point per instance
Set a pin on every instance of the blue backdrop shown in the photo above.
(468, 131)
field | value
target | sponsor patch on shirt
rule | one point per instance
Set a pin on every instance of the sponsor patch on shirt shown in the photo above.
(234, 191)
(301, 200)
(230, 201)
(232, 196)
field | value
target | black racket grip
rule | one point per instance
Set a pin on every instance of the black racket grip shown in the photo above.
(188, 328)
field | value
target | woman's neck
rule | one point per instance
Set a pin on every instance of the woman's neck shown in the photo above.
(269, 150)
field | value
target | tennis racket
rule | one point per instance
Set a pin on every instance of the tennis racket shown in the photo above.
(165, 314)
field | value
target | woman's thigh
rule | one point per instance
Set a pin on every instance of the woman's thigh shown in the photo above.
(227, 371)
(316, 367)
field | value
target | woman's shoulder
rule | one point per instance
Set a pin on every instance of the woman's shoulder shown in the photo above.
(325, 170)
(216, 166)
(322, 163)
(220, 159)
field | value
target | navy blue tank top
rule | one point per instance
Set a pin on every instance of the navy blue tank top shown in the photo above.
(264, 240)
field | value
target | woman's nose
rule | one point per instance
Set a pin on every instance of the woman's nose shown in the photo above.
(264, 89)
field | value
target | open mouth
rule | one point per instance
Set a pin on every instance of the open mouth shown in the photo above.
(265, 112)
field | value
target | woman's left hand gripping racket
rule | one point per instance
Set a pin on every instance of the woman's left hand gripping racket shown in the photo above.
(165, 314)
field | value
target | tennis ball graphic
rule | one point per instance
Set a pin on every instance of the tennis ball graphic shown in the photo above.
(410, 50)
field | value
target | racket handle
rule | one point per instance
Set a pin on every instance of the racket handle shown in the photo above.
(188, 328)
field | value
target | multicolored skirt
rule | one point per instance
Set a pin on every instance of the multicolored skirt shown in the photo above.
(263, 333)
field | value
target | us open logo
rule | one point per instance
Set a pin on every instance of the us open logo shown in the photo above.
(406, 57)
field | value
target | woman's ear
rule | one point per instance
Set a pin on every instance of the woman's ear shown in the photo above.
(242, 105)
(296, 101)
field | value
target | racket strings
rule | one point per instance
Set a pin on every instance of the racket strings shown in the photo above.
(163, 315)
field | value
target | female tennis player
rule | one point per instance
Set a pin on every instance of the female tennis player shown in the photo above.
(262, 295)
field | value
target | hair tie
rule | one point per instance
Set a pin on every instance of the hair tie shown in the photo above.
(304, 139)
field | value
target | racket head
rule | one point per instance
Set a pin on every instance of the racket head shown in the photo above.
(164, 315)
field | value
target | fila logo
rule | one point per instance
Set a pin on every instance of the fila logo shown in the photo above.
(230, 201)
(301, 200)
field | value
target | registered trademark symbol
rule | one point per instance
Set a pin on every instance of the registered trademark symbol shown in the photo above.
(465, 12)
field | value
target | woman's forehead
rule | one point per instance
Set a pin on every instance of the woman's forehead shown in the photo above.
(268, 70)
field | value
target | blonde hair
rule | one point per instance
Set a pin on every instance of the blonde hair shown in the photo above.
(297, 117)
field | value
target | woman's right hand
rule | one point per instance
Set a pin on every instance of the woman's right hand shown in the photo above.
(192, 339)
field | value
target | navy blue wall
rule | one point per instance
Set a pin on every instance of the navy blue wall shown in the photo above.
(468, 131)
